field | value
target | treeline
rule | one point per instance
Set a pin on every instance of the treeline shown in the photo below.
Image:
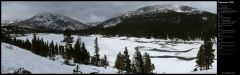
(36, 46)
(162, 25)
(139, 64)
(78, 53)
(20, 43)
(186, 26)
(23, 30)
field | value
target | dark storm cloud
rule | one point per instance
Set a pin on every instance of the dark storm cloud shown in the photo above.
(86, 11)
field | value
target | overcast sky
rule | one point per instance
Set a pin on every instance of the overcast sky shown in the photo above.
(87, 11)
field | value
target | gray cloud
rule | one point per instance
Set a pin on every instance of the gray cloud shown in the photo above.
(85, 11)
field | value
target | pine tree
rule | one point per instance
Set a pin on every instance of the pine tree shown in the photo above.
(137, 62)
(77, 45)
(51, 52)
(96, 52)
(88, 58)
(93, 60)
(105, 61)
(119, 63)
(68, 39)
(148, 66)
(38, 49)
(56, 49)
(80, 41)
(71, 52)
(61, 50)
(127, 66)
(46, 49)
(25, 44)
(200, 58)
(67, 36)
(85, 54)
(68, 47)
(133, 68)
(34, 43)
(14, 42)
(209, 53)
(41, 45)
(77, 53)
(66, 57)
(205, 55)
(28, 44)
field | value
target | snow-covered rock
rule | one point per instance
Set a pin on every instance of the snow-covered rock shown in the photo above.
(204, 18)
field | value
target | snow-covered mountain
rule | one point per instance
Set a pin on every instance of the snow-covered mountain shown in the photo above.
(163, 8)
(151, 10)
(93, 24)
(50, 21)
(110, 22)
(9, 21)
(161, 21)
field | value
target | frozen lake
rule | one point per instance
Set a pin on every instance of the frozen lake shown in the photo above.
(157, 49)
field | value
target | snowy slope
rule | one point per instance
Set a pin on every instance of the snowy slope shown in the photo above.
(163, 8)
(211, 71)
(154, 9)
(15, 57)
(52, 21)
(112, 45)
(93, 24)
(8, 21)
(111, 22)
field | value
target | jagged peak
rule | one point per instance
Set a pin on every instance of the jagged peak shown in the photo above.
(48, 14)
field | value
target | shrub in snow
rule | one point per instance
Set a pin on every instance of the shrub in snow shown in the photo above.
(195, 69)
(77, 71)
(10, 47)
(22, 71)
(94, 73)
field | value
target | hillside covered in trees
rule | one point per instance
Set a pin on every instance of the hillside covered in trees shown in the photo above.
(171, 24)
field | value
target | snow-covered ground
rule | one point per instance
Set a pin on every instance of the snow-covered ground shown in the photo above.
(14, 57)
(111, 46)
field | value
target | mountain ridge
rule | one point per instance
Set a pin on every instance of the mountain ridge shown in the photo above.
(152, 9)
(189, 23)
(50, 21)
